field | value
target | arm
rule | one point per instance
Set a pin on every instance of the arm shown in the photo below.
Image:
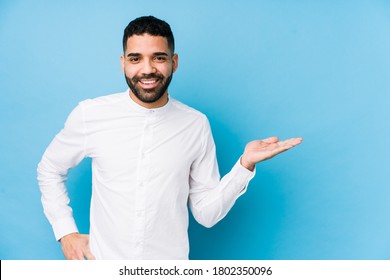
(65, 151)
(211, 198)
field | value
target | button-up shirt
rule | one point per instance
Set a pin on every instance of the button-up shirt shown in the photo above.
(148, 166)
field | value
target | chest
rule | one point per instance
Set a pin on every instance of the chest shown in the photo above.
(156, 146)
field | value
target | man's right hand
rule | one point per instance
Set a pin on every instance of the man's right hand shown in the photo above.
(75, 246)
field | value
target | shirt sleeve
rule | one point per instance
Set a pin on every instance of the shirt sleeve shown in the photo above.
(65, 151)
(210, 197)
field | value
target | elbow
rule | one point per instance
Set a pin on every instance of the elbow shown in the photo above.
(47, 173)
(42, 171)
(208, 215)
(207, 220)
(208, 224)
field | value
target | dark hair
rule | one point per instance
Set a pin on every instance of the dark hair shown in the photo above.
(149, 25)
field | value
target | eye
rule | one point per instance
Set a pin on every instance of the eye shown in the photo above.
(160, 58)
(134, 59)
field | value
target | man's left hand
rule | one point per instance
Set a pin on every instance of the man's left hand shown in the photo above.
(260, 150)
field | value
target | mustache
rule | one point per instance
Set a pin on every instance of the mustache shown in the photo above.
(148, 76)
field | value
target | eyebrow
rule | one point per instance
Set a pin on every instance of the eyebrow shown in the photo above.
(161, 53)
(133, 54)
(138, 54)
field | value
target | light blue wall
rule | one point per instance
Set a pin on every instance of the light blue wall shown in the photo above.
(316, 69)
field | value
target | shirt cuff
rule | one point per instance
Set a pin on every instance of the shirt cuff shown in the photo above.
(64, 227)
(246, 173)
(243, 176)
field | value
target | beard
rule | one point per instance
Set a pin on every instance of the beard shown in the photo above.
(149, 95)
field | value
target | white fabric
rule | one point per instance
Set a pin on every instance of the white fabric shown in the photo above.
(147, 164)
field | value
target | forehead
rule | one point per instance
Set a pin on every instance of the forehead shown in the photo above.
(146, 44)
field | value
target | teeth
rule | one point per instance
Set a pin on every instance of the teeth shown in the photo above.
(148, 82)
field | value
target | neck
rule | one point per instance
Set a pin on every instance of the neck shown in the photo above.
(163, 100)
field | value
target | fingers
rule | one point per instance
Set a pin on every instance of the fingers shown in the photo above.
(288, 143)
(76, 247)
(82, 255)
(88, 255)
(291, 142)
(79, 256)
(73, 254)
(281, 146)
(271, 140)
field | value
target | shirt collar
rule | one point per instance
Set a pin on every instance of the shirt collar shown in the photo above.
(147, 111)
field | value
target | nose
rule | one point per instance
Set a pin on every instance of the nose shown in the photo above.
(148, 67)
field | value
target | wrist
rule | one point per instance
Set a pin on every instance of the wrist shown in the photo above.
(247, 164)
(68, 236)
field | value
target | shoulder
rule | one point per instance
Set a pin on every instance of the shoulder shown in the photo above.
(102, 107)
(190, 116)
(102, 101)
(187, 111)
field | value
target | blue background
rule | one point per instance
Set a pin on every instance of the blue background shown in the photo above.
(313, 69)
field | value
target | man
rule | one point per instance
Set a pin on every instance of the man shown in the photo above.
(152, 156)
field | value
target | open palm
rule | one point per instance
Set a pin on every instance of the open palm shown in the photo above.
(260, 150)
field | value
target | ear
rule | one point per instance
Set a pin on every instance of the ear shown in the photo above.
(175, 62)
(123, 63)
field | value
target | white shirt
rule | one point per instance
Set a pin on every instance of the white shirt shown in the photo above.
(147, 166)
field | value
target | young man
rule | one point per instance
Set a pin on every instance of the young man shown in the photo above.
(151, 157)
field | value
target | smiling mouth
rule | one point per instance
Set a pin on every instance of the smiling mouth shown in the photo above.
(148, 83)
